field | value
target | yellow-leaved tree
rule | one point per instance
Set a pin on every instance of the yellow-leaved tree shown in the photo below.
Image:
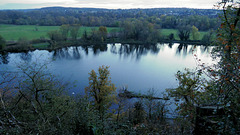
(102, 94)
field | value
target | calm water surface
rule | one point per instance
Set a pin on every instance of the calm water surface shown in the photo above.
(140, 68)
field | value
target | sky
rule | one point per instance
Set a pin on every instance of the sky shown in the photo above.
(110, 4)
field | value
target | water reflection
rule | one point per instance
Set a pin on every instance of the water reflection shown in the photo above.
(76, 53)
(85, 48)
(4, 58)
(99, 48)
(26, 56)
(170, 45)
(205, 49)
(140, 67)
(185, 49)
(113, 49)
(182, 49)
(154, 49)
(123, 50)
(135, 51)
(67, 53)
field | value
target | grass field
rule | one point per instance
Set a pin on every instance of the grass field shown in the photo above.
(167, 32)
(14, 32)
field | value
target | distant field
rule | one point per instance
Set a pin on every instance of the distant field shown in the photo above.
(14, 32)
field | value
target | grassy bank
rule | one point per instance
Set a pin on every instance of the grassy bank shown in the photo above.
(14, 32)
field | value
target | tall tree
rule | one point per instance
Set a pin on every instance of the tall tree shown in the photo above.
(195, 33)
(103, 33)
(208, 38)
(101, 93)
(74, 29)
(85, 35)
(184, 32)
(228, 71)
(64, 29)
(95, 35)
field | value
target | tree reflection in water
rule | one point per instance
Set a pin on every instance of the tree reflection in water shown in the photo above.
(113, 49)
(182, 49)
(67, 53)
(26, 56)
(170, 45)
(186, 49)
(123, 50)
(205, 49)
(4, 58)
(99, 48)
(75, 52)
(136, 51)
(85, 48)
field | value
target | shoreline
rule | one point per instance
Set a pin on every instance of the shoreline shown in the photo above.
(16, 47)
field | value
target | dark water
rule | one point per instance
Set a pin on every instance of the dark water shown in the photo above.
(140, 68)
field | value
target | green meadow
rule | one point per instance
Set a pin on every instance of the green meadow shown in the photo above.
(167, 32)
(14, 32)
(29, 32)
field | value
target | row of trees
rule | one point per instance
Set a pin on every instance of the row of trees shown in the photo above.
(68, 33)
(131, 31)
(204, 23)
(139, 31)
(185, 30)
(64, 32)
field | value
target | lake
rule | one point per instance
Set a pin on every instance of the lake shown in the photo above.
(138, 67)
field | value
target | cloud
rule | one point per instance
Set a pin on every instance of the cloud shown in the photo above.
(148, 3)
(112, 4)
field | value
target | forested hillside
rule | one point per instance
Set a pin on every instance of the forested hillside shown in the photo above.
(203, 19)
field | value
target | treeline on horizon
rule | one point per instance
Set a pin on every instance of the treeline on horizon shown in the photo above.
(166, 18)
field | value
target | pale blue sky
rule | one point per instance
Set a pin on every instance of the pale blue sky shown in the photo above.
(111, 4)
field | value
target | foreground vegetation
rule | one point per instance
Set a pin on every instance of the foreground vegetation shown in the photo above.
(35, 102)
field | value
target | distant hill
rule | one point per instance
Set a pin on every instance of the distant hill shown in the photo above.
(149, 11)
(161, 17)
